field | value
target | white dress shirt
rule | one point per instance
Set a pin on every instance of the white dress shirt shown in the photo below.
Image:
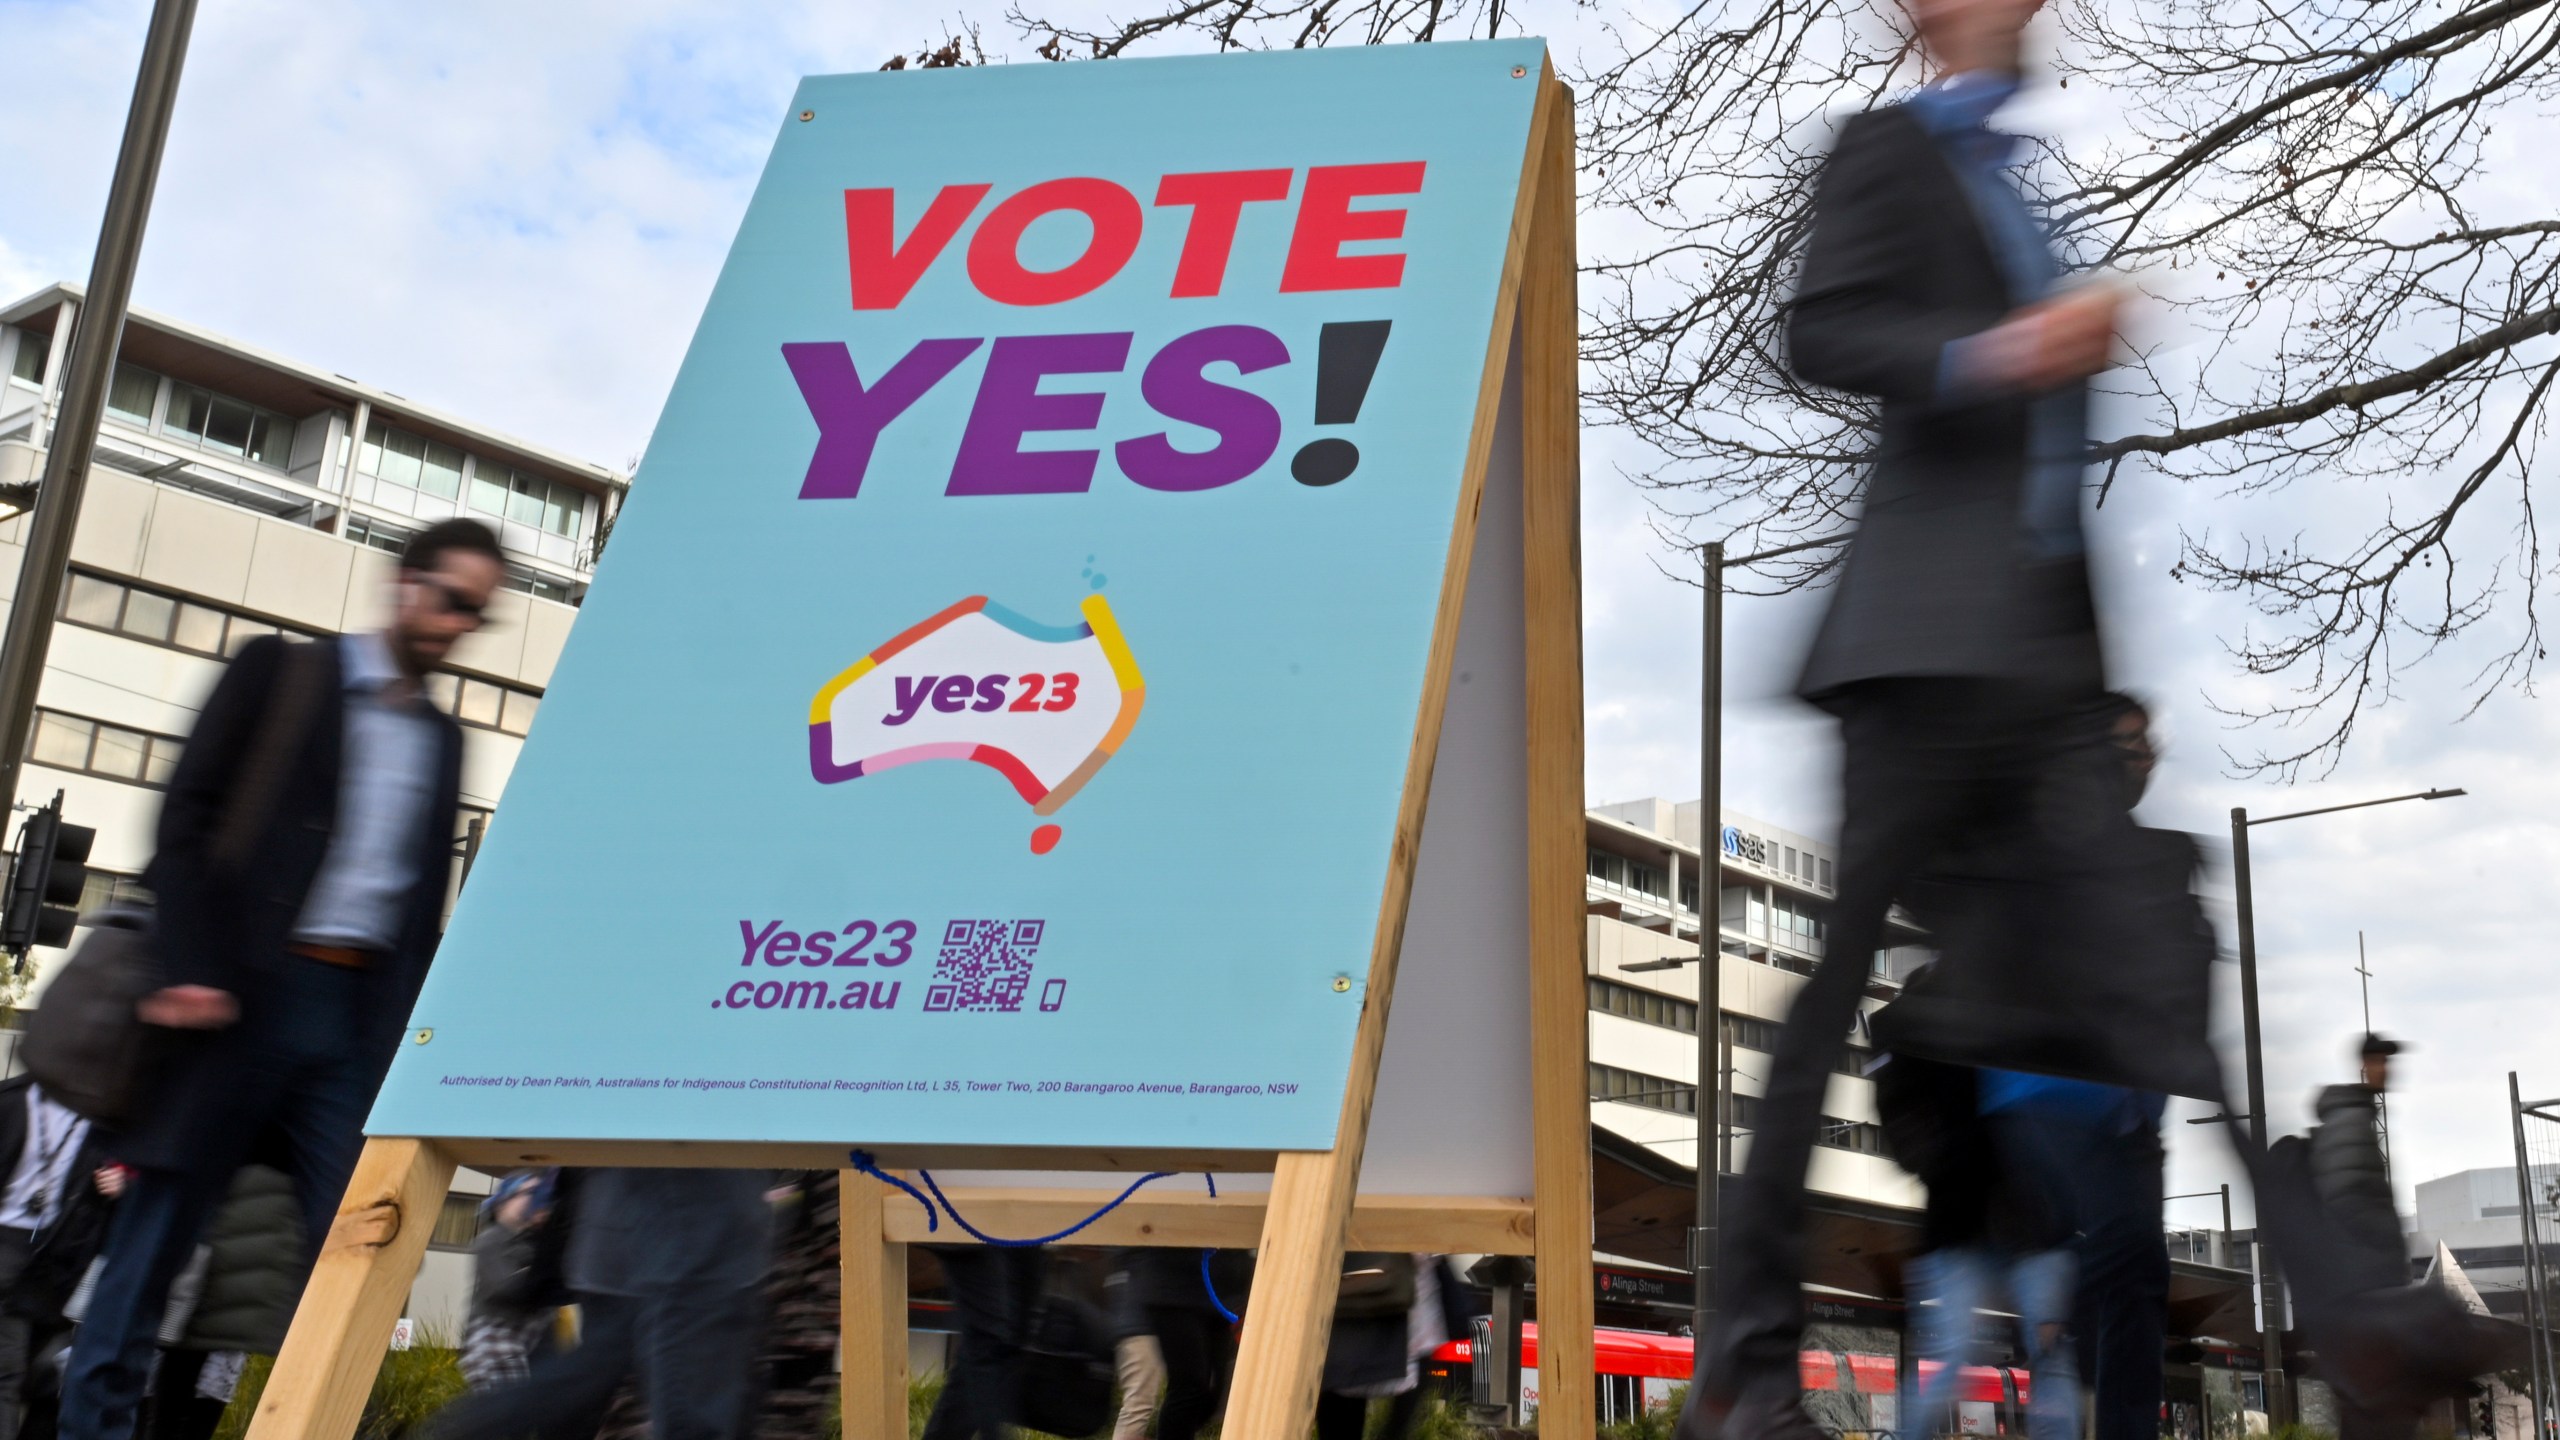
(54, 1137)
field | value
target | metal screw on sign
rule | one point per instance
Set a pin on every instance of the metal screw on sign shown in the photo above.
(425, 1035)
(808, 115)
(1341, 984)
(1518, 72)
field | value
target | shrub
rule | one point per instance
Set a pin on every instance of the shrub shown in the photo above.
(411, 1385)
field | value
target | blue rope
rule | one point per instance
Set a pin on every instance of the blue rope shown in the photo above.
(863, 1161)
(1211, 1285)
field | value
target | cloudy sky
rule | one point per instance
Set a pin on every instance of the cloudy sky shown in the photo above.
(514, 212)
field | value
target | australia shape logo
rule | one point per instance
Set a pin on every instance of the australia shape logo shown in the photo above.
(1045, 706)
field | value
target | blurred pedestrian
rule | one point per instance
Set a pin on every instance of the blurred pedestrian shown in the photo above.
(53, 1214)
(1375, 1352)
(1960, 651)
(2118, 1173)
(291, 976)
(993, 1289)
(1997, 1227)
(1137, 1357)
(511, 1316)
(2351, 1173)
(668, 1267)
(1189, 1295)
(246, 1279)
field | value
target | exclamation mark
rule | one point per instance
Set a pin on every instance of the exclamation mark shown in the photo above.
(1347, 354)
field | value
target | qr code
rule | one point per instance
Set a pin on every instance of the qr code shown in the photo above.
(984, 965)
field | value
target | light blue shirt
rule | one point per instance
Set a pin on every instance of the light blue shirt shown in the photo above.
(1956, 112)
(391, 740)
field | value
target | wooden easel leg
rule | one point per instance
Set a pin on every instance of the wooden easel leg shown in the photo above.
(874, 1344)
(1294, 1283)
(1559, 1040)
(343, 1327)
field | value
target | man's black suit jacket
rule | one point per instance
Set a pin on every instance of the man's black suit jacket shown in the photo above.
(228, 929)
(1936, 581)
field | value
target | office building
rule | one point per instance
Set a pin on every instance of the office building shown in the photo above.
(2476, 1215)
(237, 493)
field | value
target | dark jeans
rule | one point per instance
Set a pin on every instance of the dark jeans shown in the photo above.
(301, 1087)
(993, 1288)
(1929, 765)
(2124, 1284)
(176, 1412)
(17, 1333)
(693, 1352)
(1199, 1351)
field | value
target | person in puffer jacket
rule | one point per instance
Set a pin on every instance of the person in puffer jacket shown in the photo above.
(253, 1265)
(2350, 1172)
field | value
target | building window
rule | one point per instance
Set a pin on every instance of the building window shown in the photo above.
(103, 604)
(1653, 1008)
(94, 747)
(134, 395)
(374, 535)
(484, 703)
(1750, 1032)
(104, 888)
(457, 1223)
(538, 588)
(1826, 874)
(527, 499)
(1634, 1087)
(1791, 922)
(397, 457)
(1743, 1113)
(227, 426)
(28, 365)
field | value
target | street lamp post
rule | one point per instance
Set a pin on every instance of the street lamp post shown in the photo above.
(2270, 1283)
(1710, 1152)
(96, 332)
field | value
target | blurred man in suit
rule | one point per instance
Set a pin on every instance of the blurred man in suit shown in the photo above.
(1961, 650)
(305, 846)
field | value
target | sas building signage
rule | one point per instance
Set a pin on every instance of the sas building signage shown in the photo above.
(1745, 847)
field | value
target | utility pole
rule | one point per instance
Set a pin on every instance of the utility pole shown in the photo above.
(95, 335)
(2538, 1277)
(2270, 1284)
(1710, 1148)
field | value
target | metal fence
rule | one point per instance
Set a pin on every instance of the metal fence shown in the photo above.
(2537, 1138)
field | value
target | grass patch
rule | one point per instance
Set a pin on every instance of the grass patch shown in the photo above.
(411, 1385)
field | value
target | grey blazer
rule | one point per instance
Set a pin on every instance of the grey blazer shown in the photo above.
(1936, 581)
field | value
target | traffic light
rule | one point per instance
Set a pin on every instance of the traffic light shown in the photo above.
(46, 878)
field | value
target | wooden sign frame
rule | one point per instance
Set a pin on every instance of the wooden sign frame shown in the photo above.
(1312, 1212)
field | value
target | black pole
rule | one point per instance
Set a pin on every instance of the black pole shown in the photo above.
(2270, 1287)
(95, 336)
(1709, 1154)
(2537, 1295)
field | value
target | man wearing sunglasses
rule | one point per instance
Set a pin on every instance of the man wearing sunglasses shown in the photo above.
(305, 846)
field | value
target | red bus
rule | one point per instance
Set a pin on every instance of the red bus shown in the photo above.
(1850, 1394)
